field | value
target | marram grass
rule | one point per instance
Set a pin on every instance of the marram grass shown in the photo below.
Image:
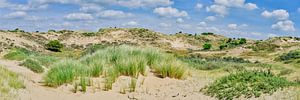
(116, 61)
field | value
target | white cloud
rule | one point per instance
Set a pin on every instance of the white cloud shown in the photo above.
(78, 16)
(272, 35)
(278, 14)
(124, 3)
(211, 18)
(90, 8)
(179, 20)
(16, 15)
(114, 14)
(256, 33)
(221, 7)
(131, 23)
(236, 26)
(251, 6)
(202, 24)
(230, 3)
(232, 26)
(284, 26)
(165, 25)
(218, 9)
(170, 12)
(198, 6)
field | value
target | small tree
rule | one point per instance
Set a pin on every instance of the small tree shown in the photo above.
(55, 46)
(223, 46)
(207, 46)
(243, 41)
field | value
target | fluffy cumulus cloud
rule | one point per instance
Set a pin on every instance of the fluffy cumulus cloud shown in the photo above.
(170, 12)
(218, 9)
(286, 25)
(283, 23)
(165, 25)
(131, 23)
(202, 24)
(125, 3)
(278, 14)
(90, 8)
(78, 16)
(211, 18)
(179, 20)
(114, 14)
(198, 6)
(251, 6)
(17, 14)
(236, 26)
(232, 26)
(221, 7)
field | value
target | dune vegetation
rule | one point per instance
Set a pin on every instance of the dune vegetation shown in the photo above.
(9, 82)
(116, 61)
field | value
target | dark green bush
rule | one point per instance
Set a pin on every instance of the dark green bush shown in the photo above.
(264, 46)
(207, 33)
(89, 34)
(207, 46)
(33, 65)
(55, 46)
(243, 41)
(292, 55)
(247, 84)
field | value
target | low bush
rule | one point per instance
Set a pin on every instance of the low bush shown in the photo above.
(216, 63)
(206, 46)
(54, 45)
(33, 65)
(292, 55)
(247, 84)
(264, 46)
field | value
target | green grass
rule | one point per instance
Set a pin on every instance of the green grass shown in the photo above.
(33, 65)
(18, 54)
(246, 84)
(221, 63)
(9, 81)
(114, 62)
(63, 72)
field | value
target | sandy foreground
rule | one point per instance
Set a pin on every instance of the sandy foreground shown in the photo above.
(149, 87)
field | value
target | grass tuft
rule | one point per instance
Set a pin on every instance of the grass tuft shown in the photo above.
(33, 65)
(9, 81)
(247, 84)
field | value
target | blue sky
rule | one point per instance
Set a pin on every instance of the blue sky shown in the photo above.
(256, 19)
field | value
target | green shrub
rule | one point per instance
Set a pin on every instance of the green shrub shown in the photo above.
(292, 55)
(223, 46)
(54, 45)
(93, 48)
(207, 46)
(264, 46)
(33, 65)
(89, 34)
(247, 84)
(242, 41)
(207, 33)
